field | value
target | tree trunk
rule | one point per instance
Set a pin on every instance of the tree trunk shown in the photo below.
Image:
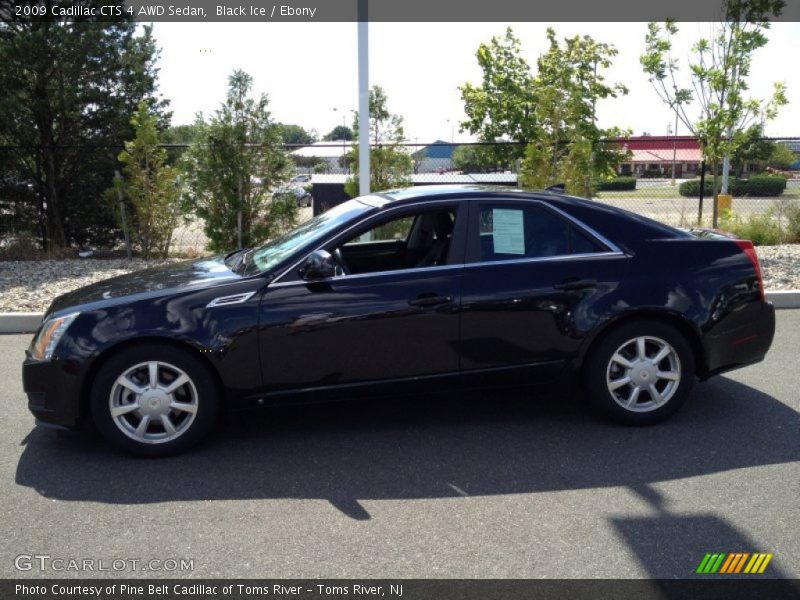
(714, 192)
(54, 218)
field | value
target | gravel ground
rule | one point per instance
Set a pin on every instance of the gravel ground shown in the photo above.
(30, 286)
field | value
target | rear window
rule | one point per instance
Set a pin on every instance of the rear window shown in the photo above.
(513, 232)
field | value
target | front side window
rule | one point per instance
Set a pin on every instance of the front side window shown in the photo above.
(510, 232)
(409, 241)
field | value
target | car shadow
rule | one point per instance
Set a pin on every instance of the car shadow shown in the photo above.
(488, 443)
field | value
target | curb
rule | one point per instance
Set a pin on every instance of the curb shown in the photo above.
(19, 322)
(784, 298)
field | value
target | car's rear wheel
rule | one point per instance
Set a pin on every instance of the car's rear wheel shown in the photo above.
(154, 400)
(640, 372)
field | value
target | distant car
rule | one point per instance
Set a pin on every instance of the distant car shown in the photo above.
(300, 179)
(436, 288)
(301, 194)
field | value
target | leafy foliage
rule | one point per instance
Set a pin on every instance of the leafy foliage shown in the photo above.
(338, 133)
(757, 185)
(761, 229)
(150, 185)
(504, 104)
(295, 134)
(474, 159)
(233, 167)
(617, 184)
(753, 150)
(569, 148)
(781, 157)
(68, 86)
(389, 163)
(718, 74)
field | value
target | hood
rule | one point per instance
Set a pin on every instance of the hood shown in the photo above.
(195, 273)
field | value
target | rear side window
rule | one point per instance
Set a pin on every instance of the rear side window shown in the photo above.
(513, 232)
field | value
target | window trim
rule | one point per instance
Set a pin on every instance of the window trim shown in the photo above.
(473, 234)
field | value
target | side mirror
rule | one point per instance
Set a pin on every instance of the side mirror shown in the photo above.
(318, 265)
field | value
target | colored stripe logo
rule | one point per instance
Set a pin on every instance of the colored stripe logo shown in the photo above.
(734, 562)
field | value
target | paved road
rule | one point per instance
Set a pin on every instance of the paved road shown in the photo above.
(491, 486)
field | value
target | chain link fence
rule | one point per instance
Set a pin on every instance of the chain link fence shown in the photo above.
(659, 177)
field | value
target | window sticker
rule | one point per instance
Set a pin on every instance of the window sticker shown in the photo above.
(508, 231)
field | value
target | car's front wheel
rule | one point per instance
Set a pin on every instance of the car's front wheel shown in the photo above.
(154, 400)
(641, 372)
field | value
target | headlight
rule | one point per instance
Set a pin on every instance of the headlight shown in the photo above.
(45, 342)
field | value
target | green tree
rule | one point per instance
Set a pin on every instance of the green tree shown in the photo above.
(503, 106)
(338, 133)
(295, 134)
(782, 157)
(754, 150)
(150, 185)
(570, 148)
(718, 86)
(474, 159)
(233, 168)
(390, 164)
(69, 88)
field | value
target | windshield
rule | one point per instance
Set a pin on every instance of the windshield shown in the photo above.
(282, 247)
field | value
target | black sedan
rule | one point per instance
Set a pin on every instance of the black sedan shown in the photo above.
(436, 288)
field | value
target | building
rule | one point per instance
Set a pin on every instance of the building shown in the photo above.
(331, 153)
(653, 156)
(434, 158)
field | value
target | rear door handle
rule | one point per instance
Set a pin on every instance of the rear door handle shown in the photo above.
(425, 300)
(573, 283)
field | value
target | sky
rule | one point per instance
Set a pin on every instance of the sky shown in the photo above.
(310, 70)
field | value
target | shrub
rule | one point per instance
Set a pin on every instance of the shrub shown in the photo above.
(765, 185)
(691, 188)
(792, 214)
(757, 185)
(617, 184)
(652, 174)
(762, 230)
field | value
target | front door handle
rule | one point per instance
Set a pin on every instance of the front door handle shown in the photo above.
(427, 300)
(573, 283)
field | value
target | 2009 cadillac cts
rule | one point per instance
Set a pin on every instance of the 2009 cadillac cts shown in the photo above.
(437, 287)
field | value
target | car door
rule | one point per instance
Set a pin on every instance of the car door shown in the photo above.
(379, 325)
(532, 282)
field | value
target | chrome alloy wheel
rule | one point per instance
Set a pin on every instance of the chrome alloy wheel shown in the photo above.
(643, 374)
(153, 402)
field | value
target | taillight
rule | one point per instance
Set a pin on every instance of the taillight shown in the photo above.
(748, 248)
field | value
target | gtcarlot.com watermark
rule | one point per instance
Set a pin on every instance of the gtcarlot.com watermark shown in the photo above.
(46, 563)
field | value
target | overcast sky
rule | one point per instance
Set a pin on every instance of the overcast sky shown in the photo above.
(308, 69)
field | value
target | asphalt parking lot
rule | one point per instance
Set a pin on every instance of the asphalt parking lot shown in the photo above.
(494, 485)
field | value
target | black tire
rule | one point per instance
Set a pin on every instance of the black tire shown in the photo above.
(201, 392)
(600, 373)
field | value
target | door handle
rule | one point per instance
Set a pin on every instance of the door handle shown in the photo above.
(426, 300)
(573, 283)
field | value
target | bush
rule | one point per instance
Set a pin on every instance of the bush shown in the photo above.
(691, 188)
(762, 230)
(792, 214)
(617, 184)
(757, 185)
(766, 185)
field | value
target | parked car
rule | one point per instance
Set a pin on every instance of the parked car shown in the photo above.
(439, 288)
(300, 179)
(301, 194)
